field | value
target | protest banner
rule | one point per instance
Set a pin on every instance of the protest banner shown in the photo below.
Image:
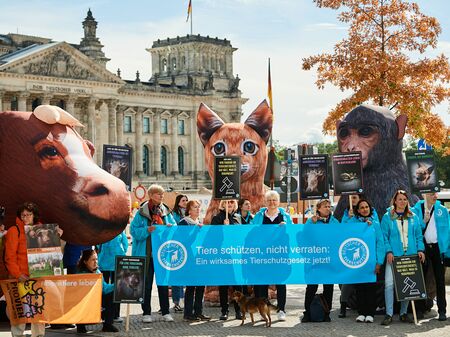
(408, 278)
(227, 177)
(347, 173)
(117, 161)
(44, 250)
(129, 279)
(422, 173)
(237, 255)
(314, 177)
(55, 299)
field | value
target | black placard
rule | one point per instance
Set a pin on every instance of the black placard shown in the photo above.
(117, 161)
(314, 177)
(422, 172)
(129, 279)
(408, 278)
(227, 177)
(347, 173)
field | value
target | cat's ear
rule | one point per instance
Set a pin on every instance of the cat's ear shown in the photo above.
(208, 122)
(261, 120)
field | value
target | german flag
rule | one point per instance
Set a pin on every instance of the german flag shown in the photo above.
(189, 11)
(269, 90)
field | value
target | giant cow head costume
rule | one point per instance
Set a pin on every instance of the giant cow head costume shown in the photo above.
(44, 160)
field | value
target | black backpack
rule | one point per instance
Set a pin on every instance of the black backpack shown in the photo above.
(318, 309)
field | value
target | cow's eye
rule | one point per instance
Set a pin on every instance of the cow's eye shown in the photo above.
(249, 147)
(48, 152)
(219, 149)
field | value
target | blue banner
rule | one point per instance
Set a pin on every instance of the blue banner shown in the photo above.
(264, 254)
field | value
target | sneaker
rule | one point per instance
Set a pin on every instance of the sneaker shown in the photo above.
(387, 320)
(168, 318)
(442, 317)
(118, 320)
(369, 319)
(203, 317)
(191, 318)
(405, 319)
(109, 328)
(177, 308)
(361, 319)
(224, 316)
(147, 319)
(281, 315)
(160, 311)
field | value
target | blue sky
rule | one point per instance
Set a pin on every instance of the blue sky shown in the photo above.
(284, 30)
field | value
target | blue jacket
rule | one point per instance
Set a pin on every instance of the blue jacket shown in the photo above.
(442, 224)
(345, 217)
(259, 217)
(379, 239)
(108, 251)
(392, 241)
(139, 231)
(333, 221)
(176, 217)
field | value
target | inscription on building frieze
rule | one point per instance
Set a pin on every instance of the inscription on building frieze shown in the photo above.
(58, 89)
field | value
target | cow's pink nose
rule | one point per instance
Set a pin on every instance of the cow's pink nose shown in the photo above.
(95, 189)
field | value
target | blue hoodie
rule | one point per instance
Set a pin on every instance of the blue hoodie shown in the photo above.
(108, 251)
(392, 240)
(259, 217)
(442, 224)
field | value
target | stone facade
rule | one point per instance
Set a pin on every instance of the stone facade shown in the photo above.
(156, 118)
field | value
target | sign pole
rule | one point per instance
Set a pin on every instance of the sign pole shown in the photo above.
(127, 322)
(413, 306)
(350, 205)
(226, 209)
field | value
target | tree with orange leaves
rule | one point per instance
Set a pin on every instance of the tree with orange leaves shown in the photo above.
(375, 62)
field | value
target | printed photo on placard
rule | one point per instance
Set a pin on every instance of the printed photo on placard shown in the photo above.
(347, 173)
(117, 161)
(129, 279)
(422, 173)
(283, 183)
(314, 177)
(227, 177)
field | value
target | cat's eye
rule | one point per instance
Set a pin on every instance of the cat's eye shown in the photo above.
(249, 148)
(219, 148)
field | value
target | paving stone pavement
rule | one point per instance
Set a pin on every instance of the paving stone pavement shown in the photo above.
(291, 327)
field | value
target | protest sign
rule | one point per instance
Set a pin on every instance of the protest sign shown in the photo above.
(227, 177)
(264, 254)
(117, 161)
(314, 177)
(347, 173)
(422, 173)
(129, 279)
(408, 278)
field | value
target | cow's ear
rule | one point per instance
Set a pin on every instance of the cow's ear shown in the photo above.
(261, 120)
(207, 123)
(90, 146)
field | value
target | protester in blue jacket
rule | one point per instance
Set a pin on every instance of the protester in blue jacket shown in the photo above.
(107, 253)
(402, 236)
(366, 292)
(152, 213)
(273, 215)
(434, 221)
(323, 216)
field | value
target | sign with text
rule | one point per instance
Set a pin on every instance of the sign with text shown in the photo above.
(264, 254)
(422, 173)
(347, 173)
(408, 278)
(129, 279)
(314, 177)
(227, 177)
(117, 161)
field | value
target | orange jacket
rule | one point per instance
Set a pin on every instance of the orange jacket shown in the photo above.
(16, 257)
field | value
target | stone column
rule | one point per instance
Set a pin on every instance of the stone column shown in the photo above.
(91, 119)
(174, 143)
(193, 140)
(22, 105)
(157, 143)
(229, 63)
(46, 99)
(119, 126)
(2, 93)
(112, 124)
(70, 105)
(139, 142)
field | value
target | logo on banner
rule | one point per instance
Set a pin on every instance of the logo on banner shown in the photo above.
(354, 253)
(172, 255)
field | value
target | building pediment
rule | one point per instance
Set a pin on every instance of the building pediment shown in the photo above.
(57, 59)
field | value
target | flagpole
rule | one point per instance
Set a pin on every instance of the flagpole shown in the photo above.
(272, 148)
(191, 19)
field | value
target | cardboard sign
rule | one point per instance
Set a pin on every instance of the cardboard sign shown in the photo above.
(314, 177)
(347, 173)
(227, 177)
(284, 173)
(422, 172)
(408, 278)
(129, 279)
(117, 161)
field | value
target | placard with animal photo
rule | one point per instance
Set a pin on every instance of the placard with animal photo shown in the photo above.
(117, 161)
(44, 250)
(129, 279)
(347, 173)
(422, 173)
(227, 177)
(314, 177)
(283, 183)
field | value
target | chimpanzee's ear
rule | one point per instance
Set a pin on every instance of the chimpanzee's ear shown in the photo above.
(401, 121)
(207, 123)
(261, 120)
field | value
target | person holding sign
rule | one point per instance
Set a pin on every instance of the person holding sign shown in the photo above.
(366, 292)
(273, 215)
(402, 236)
(434, 220)
(152, 213)
(323, 216)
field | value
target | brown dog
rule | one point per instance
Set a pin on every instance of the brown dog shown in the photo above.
(253, 305)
